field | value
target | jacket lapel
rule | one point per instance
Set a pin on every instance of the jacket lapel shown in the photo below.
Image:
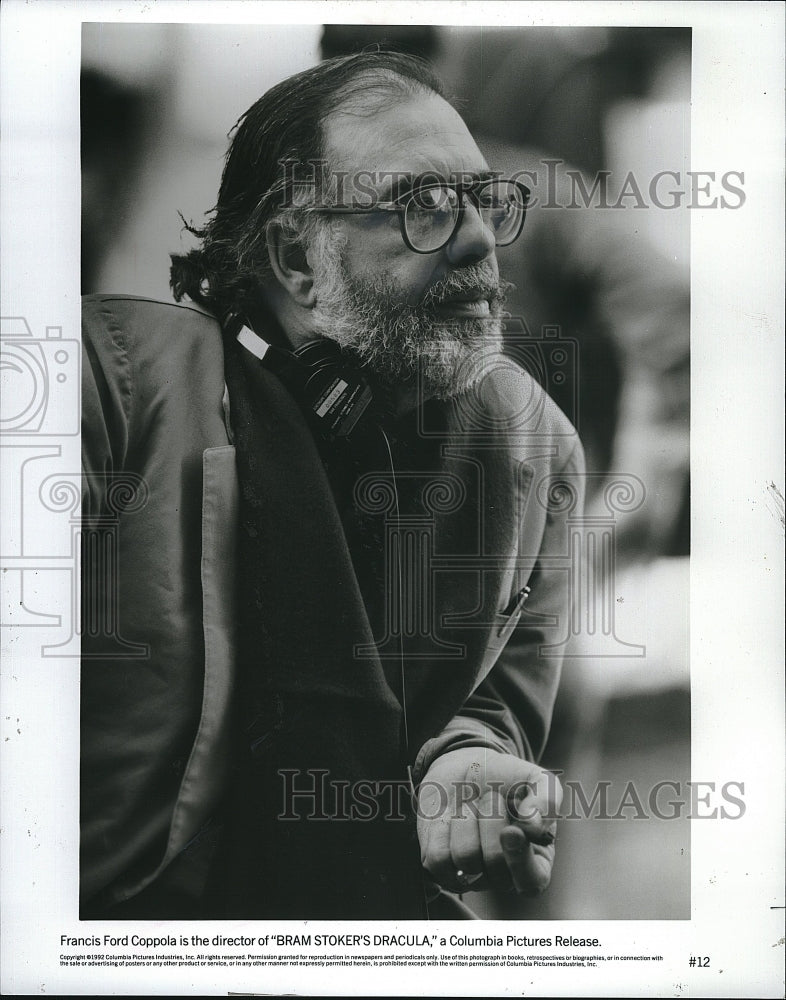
(208, 765)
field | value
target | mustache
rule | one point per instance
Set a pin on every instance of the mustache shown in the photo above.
(475, 280)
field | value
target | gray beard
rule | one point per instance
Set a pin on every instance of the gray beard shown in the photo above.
(407, 345)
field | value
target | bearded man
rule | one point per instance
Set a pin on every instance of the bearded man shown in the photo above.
(316, 499)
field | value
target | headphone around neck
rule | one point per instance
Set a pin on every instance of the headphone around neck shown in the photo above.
(340, 403)
(335, 396)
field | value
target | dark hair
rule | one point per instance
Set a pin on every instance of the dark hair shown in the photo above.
(284, 126)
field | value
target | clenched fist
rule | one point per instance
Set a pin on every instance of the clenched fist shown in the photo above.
(488, 819)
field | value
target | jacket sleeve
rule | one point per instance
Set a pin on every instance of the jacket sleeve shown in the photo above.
(510, 710)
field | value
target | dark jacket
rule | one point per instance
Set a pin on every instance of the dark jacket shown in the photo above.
(159, 738)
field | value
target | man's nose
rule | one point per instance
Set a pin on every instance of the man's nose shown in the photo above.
(473, 241)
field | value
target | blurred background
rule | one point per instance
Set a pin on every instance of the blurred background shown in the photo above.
(157, 104)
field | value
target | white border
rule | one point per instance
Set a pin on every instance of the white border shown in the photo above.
(737, 567)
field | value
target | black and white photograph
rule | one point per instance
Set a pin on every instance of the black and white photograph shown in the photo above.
(488, 453)
(371, 540)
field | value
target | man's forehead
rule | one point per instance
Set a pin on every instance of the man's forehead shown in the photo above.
(411, 137)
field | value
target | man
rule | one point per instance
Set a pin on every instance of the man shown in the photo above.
(340, 494)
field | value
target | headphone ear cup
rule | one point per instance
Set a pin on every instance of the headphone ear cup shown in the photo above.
(335, 395)
(318, 353)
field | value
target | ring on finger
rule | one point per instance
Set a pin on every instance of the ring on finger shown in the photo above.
(465, 879)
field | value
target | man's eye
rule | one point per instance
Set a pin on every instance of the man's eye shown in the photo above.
(499, 209)
(491, 199)
(435, 199)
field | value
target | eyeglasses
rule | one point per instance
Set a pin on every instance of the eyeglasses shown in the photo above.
(431, 213)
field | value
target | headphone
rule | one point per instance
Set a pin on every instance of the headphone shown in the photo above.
(337, 399)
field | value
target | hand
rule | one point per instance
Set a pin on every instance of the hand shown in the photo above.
(485, 815)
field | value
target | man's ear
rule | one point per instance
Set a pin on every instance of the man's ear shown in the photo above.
(289, 264)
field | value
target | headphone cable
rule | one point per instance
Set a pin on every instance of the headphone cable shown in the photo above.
(400, 586)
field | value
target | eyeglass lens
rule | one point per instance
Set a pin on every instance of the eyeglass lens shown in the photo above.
(432, 212)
